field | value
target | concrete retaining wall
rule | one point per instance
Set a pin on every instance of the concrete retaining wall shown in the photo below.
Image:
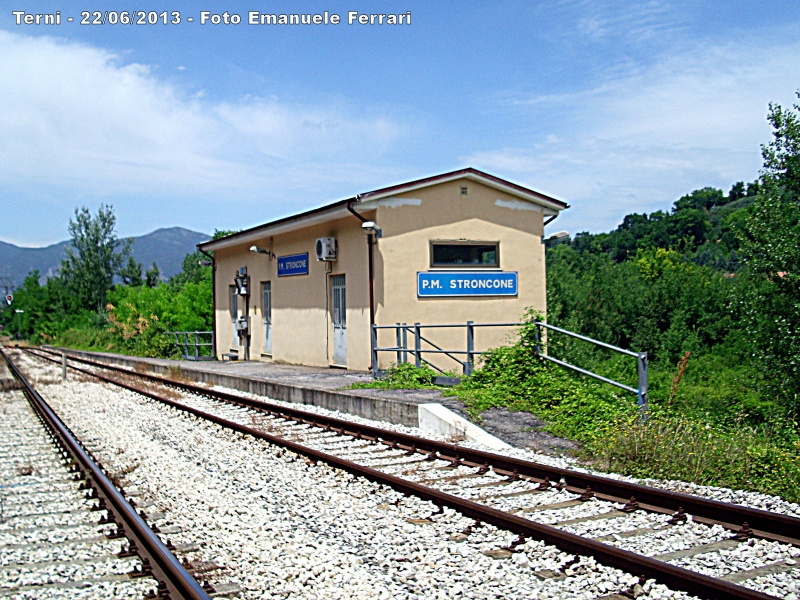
(379, 409)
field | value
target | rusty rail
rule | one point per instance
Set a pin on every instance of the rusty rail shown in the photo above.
(764, 524)
(157, 561)
(670, 575)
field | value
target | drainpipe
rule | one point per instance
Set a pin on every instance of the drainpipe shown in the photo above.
(214, 302)
(370, 252)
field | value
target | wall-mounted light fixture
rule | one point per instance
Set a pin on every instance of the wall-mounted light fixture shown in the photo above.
(370, 227)
(258, 250)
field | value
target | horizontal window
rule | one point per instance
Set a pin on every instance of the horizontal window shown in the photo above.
(464, 255)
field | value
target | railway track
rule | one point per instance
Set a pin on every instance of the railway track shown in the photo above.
(618, 523)
(65, 529)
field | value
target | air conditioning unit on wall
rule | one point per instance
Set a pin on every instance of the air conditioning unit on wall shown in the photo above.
(326, 248)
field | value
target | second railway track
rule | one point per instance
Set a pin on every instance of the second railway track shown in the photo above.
(637, 535)
(66, 531)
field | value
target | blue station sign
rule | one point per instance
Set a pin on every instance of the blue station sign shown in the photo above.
(295, 264)
(466, 283)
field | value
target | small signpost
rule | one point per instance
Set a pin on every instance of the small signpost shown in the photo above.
(9, 299)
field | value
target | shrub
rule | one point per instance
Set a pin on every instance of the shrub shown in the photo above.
(402, 377)
(670, 447)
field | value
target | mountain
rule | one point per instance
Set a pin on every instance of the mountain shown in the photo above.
(166, 247)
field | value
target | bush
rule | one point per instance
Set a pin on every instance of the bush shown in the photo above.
(670, 447)
(513, 377)
(404, 376)
(737, 440)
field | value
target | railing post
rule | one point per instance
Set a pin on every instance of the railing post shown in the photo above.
(641, 361)
(196, 347)
(538, 338)
(417, 346)
(185, 345)
(470, 348)
(374, 344)
(405, 343)
(398, 344)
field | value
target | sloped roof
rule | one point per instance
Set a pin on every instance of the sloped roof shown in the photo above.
(338, 209)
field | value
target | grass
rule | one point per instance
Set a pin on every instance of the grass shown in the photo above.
(674, 447)
(708, 427)
(404, 376)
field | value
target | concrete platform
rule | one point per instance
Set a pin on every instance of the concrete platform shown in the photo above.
(294, 383)
(324, 387)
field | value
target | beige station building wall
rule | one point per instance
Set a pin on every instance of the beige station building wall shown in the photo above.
(302, 330)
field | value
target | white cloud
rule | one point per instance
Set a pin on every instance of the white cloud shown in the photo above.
(634, 22)
(636, 142)
(75, 117)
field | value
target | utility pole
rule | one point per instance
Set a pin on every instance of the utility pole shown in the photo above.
(19, 321)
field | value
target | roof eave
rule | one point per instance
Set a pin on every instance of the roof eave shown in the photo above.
(315, 216)
(473, 175)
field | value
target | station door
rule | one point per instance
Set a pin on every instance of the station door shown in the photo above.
(266, 310)
(339, 321)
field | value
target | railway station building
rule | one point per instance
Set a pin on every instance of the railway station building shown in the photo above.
(457, 247)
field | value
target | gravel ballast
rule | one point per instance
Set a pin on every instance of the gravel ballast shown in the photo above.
(393, 545)
(51, 545)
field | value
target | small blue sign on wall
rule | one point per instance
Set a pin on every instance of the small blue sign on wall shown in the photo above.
(296, 264)
(466, 283)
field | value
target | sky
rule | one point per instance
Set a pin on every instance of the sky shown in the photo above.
(614, 107)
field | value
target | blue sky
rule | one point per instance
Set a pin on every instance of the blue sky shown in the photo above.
(613, 107)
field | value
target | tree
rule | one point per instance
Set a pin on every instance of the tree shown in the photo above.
(153, 275)
(701, 199)
(737, 191)
(770, 240)
(94, 257)
(131, 273)
(782, 154)
(191, 271)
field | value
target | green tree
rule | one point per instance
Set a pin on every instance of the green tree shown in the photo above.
(770, 241)
(131, 273)
(737, 191)
(701, 199)
(782, 155)
(94, 257)
(153, 275)
(191, 270)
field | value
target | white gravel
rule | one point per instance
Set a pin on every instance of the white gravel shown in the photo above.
(51, 545)
(752, 499)
(282, 528)
(650, 533)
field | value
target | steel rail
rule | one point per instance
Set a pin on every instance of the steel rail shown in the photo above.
(764, 524)
(674, 577)
(166, 568)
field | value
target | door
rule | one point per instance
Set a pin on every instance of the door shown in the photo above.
(234, 309)
(266, 309)
(339, 321)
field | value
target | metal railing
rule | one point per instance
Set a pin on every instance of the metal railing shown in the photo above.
(193, 349)
(402, 349)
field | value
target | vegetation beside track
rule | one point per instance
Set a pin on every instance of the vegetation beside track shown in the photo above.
(120, 309)
(711, 290)
(681, 440)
